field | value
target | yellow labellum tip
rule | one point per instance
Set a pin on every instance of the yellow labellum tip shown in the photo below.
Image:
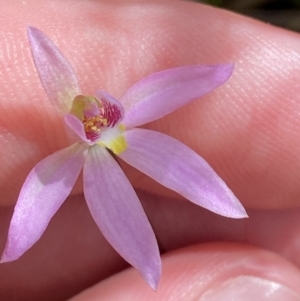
(117, 145)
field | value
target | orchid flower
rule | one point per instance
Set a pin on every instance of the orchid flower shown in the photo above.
(102, 123)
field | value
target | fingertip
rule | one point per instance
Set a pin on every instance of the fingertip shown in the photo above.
(190, 273)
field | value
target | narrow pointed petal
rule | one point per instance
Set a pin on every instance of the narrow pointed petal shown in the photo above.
(118, 213)
(177, 167)
(162, 93)
(45, 189)
(56, 74)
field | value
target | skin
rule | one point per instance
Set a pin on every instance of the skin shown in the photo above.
(248, 130)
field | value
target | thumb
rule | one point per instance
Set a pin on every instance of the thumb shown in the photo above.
(208, 272)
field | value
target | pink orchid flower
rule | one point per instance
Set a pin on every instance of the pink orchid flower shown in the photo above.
(102, 123)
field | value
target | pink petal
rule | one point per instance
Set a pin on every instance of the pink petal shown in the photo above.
(161, 93)
(177, 167)
(118, 213)
(56, 74)
(43, 192)
(77, 127)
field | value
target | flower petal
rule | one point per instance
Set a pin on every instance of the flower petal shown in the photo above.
(56, 74)
(161, 93)
(45, 189)
(77, 127)
(118, 213)
(177, 167)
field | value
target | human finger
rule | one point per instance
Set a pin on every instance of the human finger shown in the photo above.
(207, 273)
(247, 129)
(73, 255)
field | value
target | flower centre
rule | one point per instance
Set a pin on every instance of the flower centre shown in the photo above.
(101, 120)
(93, 126)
